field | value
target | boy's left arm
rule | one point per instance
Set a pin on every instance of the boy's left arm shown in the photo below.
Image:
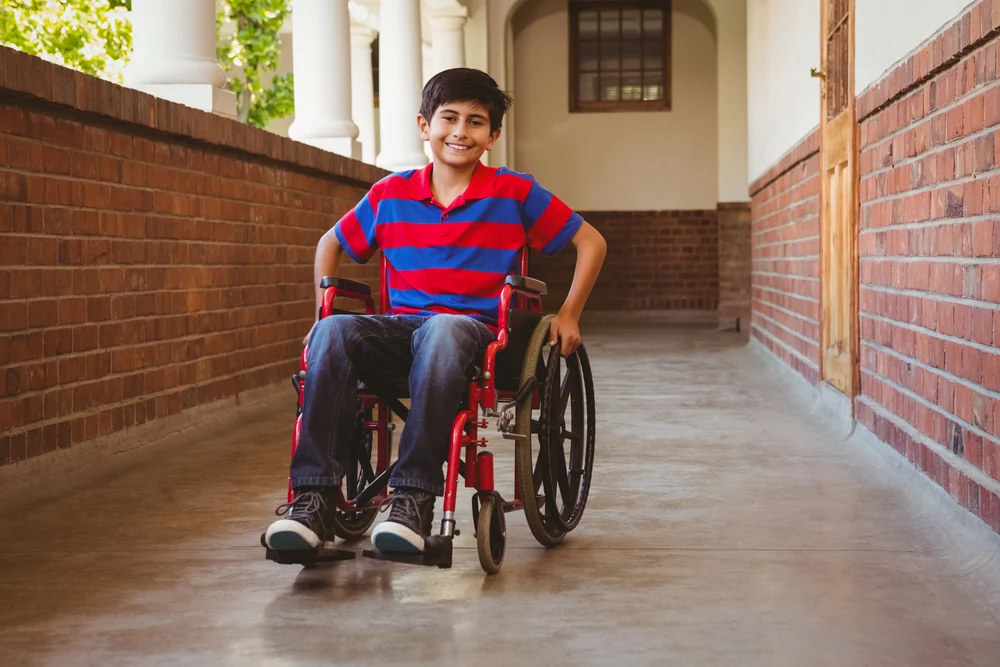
(590, 251)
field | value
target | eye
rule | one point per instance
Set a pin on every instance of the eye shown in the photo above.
(477, 123)
(448, 118)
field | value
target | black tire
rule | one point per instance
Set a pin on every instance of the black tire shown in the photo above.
(568, 481)
(491, 538)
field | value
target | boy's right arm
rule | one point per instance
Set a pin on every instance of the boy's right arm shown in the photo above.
(328, 253)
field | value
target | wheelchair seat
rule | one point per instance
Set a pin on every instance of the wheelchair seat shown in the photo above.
(508, 363)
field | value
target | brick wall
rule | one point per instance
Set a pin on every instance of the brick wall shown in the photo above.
(152, 257)
(734, 264)
(929, 249)
(657, 260)
(785, 258)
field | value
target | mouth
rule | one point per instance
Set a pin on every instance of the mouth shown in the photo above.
(458, 148)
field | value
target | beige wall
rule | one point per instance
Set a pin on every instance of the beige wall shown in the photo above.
(782, 98)
(731, 37)
(617, 161)
(886, 31)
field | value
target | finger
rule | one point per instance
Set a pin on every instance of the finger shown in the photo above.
(553, 335)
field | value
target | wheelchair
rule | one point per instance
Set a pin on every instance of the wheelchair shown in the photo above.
(541, 402)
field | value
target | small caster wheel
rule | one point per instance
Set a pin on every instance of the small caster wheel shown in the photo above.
(491, 535)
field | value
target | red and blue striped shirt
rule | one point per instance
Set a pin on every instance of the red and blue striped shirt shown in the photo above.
(454, 259)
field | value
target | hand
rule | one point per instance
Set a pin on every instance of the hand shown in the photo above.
(566, 331)
(305, 341)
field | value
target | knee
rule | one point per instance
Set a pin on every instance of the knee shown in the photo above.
(335, 331)
(455, 331)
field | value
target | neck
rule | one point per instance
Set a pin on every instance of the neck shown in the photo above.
(449, 182)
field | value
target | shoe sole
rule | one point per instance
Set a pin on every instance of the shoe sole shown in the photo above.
(396, 538)
(287, 535)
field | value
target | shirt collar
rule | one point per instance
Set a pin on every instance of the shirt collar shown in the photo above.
(480, 187)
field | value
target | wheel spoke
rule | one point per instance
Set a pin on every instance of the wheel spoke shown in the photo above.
(567, 384)
(557, 459)
(569, 435)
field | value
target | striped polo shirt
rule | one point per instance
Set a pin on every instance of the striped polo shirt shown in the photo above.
(454, 259)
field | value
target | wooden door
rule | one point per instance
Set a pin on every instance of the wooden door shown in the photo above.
(839, 207)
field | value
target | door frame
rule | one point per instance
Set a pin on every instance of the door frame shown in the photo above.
(853, 289)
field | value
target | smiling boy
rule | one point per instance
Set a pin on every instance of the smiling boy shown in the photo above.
(451, 233)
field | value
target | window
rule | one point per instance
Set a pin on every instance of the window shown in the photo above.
(619, 55)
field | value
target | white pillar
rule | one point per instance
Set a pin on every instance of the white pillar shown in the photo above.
(174, 57)
(363, 89)
(448, 36)
(400, 61)
(321, 58)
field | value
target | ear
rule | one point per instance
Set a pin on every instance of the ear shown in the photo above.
(424, 126)
(493, 139)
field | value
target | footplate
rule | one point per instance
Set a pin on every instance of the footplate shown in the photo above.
(437, 552)
(307, 557)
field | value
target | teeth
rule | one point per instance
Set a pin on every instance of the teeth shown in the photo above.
(457, 147)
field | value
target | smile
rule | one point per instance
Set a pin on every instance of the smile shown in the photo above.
(458, 147)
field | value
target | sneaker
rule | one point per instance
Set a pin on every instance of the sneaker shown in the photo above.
(408, 524)
(307, 524)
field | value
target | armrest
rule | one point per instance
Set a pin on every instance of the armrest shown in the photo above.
(527, 284)
(345, 284)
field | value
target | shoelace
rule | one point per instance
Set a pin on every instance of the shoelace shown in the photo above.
(408, 506)
(307, 502)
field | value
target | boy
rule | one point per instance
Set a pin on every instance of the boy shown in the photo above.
(451, 233)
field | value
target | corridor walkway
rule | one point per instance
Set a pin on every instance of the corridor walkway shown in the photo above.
(726, 527)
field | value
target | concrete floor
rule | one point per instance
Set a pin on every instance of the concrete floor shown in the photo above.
(726, 526)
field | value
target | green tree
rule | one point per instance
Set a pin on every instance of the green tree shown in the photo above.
(250, 54)
(92, 36)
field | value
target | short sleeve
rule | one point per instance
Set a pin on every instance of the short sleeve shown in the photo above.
(356, 230)
(548, 223)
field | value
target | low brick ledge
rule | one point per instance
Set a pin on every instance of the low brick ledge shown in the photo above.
(24, 76)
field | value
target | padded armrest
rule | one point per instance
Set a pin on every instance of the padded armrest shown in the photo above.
(527, 284)
(345, 284)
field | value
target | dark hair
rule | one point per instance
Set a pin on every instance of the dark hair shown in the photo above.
(463, 84)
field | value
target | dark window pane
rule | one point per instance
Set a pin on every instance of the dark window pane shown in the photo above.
(652, 55)
(588, 25)
(631, 87)
(609, 55)
(652, 86)
(588, 57)
(610, 88)
(588, 87)
(631, 24)
(609, 24)
(631, 54)
(652, 22)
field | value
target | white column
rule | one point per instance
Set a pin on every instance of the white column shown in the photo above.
(321, 58)
(400, 61)
(363, 89)
(448, 36)
(174, 57)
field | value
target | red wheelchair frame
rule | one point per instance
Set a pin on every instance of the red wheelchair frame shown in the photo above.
(518, 292)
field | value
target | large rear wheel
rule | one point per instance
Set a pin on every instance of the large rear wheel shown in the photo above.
(554, 453)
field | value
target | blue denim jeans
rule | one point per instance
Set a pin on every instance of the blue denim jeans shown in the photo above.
(431, 354)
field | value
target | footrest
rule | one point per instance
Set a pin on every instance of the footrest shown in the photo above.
(310, 556)
(437, 552)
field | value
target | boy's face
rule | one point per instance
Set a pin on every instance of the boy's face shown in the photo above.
(459, 133)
